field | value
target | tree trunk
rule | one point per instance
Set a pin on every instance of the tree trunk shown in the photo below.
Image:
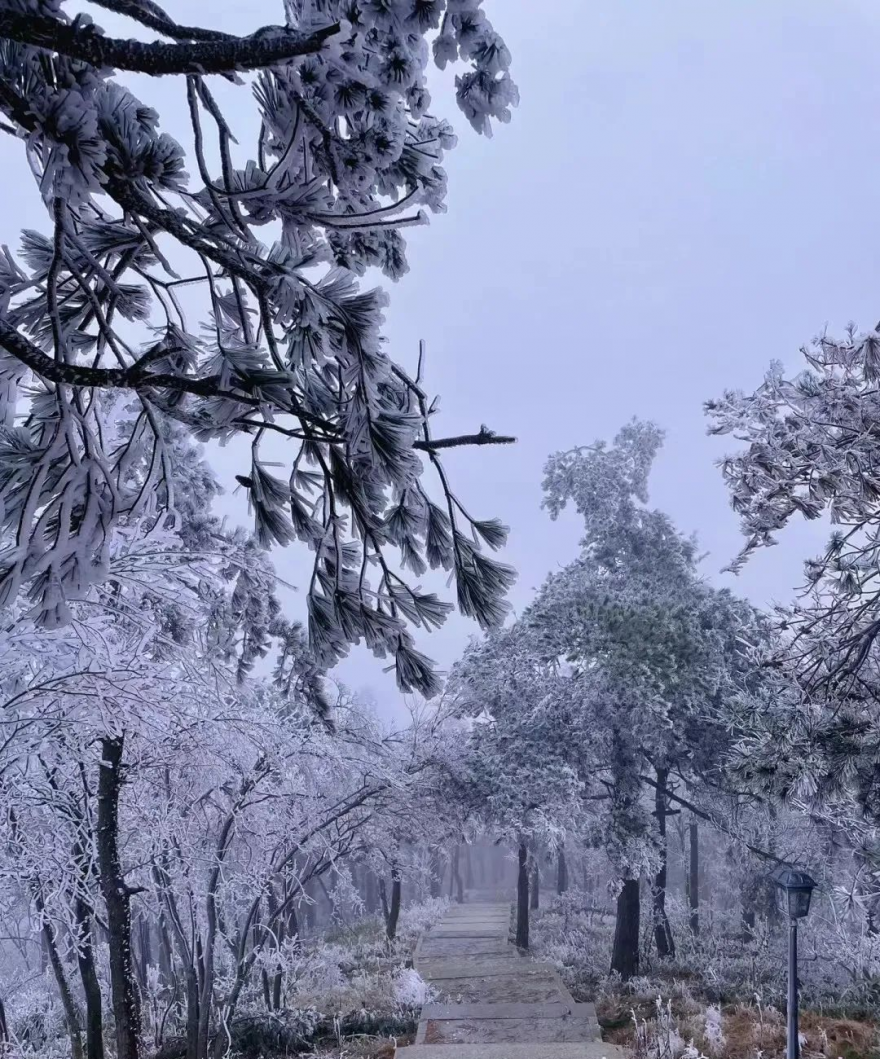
(535, 885)
(625, 955)
(85, 957)
(371, 898)
(310, 915)
(522, 898)
(468, 868)
(68, 1004)
(192, 1014)
(693, 888)
(392, 911)
(758, 898)
(662, 929)
(455, 880)
(292, 931)
(436, 868)
(166, 958)
(273, 983)
(117, 898)
(749, 899)
(145, 949)
(561, 871)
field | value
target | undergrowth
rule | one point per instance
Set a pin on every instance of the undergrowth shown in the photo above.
(723, 995)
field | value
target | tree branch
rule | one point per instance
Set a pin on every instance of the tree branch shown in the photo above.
(269, 45)
(714, 820)
(153, 17)
(133, 378)
(485, 437)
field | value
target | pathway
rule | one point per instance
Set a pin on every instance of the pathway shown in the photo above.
(494, 1003)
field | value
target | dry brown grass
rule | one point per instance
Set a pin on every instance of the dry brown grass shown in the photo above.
(747, 1029)
(366, 1048)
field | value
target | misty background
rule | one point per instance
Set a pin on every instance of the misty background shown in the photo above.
(687, 191)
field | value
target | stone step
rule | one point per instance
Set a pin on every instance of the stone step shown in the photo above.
(468, 975)
(480, 910)
(516, 1023)
(439, 967)
(444, 948)
(516, 1031)
(472, 911)
(553, 1010)
(501, 989)
(474, 917)
(536, 1050)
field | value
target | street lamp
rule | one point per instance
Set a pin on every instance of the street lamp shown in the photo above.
(798, 888)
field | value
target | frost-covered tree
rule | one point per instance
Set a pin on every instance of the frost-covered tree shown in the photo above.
(654, 649)
(230, 302)
(171, 631)
(515, 772)
(810, 450)
(165, 819)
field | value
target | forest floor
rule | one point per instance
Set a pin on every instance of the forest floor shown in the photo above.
(357, 991)
(719, 998)
(744, 1031)
(369, 1048)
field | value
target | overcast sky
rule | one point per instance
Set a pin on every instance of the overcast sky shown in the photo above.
(687, 191)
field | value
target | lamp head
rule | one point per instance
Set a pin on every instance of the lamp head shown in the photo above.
(797, 887)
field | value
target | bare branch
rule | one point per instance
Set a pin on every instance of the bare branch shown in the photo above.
(485, 437)
(152, 16)
(272, 44)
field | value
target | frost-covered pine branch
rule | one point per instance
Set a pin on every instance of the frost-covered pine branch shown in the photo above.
(284, 342)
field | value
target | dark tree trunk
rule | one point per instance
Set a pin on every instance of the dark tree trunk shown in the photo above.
(522, 898)
(662, 930)
(561, 871)
(167, 976)
(68, 1004)
(693, 887)
(145, 948)
(748, 924)
(117, 898)
(436, 867)
(274, 944)
(455, 881)
(85, 957)
(310, 914)
(535, 885)
(468, 868)
(392, 910)
(292, 930)
(192, 1014)
(625, 955)
(371, 897)
(758, 898)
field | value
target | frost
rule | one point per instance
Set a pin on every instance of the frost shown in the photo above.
(286, 344)
(410, 989)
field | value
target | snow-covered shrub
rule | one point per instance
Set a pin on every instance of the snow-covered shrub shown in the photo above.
(36, 1023)
(416, 919)
(575, 938)
(713, 1030)
(410, 989)
(658, 1038)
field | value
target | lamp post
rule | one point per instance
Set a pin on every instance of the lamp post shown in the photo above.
(798, 888)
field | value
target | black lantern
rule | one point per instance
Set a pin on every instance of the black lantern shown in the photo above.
(798, 888)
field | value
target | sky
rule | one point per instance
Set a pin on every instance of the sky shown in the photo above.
(686, 192)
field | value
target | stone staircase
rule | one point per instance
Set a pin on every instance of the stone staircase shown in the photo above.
(492, 1002)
